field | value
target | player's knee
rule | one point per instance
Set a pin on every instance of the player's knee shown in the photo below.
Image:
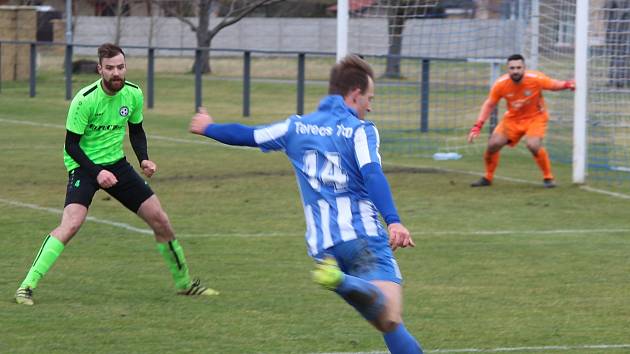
(388, 324)
(161, 219)
(161, 223)
(66, 231)
(493, 149)
(533, 148)
(494, 146)
(73, 229)
(388, 320)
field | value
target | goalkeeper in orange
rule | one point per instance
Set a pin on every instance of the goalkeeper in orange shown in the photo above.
(526, 115)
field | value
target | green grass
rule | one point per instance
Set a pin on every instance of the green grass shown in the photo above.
(514, 265)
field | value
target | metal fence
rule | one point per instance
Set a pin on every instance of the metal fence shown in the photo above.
(414, 105)
(151, 55)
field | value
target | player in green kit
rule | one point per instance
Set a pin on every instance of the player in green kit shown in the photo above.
(95, 159)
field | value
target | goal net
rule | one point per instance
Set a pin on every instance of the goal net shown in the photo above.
(435, 62)
(608, 89)
(608, 119)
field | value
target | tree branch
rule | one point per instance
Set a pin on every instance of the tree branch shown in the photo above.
(231, 18)
(170, 12)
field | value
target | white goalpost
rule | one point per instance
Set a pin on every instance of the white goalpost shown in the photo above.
(580, 101)
(342, 28)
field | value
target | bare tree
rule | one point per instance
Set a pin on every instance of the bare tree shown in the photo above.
(150, 13)
(234, 11)
(119, 15)
(398, 12)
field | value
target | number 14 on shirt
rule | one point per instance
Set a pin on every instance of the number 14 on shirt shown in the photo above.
(331, 172)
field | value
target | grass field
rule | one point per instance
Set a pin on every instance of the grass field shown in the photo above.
(514, 266)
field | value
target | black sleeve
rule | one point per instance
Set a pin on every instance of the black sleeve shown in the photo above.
(74, 150)
(138, 141)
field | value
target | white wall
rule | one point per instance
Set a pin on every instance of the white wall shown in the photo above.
(450, 38)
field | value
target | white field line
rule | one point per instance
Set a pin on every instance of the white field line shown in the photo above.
(216, 144)
(510, 349)
(601, 191)
(464, 172)
(278, 234)
(212, 142)
(525, 232)
(131, 228)
(156, 137)
(494, 232)
(89, 218)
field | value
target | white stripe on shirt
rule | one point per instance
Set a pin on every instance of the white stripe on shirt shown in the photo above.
(396, 269)
(344, 219)
(378, 146)
(367, 217)
(271, 132)
(311, 230)
(361, 147)
(324, 211)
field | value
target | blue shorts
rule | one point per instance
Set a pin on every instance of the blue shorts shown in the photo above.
(368, 258)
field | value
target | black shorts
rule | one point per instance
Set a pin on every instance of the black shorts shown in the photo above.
(131, 190)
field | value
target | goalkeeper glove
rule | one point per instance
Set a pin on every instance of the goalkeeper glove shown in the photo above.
(569, 84)
(476, 129)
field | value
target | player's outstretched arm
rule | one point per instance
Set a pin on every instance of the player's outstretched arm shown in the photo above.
(200, 121)
(486, 109)
(558, 85)
(564, 85)
(232, 134)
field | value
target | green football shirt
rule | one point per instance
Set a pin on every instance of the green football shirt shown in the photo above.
(102, 120)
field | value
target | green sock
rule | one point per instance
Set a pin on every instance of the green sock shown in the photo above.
(46, 257)
(173, 253)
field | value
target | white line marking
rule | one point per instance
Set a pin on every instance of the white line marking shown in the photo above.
(156, 137)
(299, 233)
(612, 194)
(133, 228)
(529, 232)
(245, 235)
(465, 172)
(90, 218)
(506, 349)
(504, 232)
(216, 144)
(34, 124)
(212, 142)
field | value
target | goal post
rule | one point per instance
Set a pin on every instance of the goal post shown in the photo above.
(342, 29)
(580, 100)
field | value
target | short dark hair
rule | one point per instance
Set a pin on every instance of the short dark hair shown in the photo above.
(516, 57)
(350, 73)
(108, 50)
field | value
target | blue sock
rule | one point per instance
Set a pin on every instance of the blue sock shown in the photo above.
(364, 296)
(399, 341)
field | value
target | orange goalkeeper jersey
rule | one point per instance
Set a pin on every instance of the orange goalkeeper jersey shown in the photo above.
(524, 99)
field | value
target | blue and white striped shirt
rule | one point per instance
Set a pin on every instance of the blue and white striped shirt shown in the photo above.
(327, 149)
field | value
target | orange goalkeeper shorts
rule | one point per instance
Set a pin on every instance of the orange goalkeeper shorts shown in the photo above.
(515, 129)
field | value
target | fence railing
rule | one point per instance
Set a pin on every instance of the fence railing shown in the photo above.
(423, 62)
(247, 57)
